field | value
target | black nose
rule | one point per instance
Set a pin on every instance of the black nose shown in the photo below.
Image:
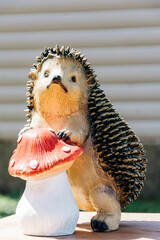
(57, 77)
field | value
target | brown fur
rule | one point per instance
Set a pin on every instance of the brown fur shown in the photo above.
(82, 108)
(54, 108)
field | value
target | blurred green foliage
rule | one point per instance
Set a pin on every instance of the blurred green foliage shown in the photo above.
(145, 206)
(8, 205)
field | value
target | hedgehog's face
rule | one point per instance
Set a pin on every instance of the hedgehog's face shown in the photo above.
(60, 88)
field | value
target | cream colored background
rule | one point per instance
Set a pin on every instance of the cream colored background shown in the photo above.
(121, 39)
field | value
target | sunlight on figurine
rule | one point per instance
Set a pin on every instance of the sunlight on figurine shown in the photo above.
(47, 206)
(63, 92)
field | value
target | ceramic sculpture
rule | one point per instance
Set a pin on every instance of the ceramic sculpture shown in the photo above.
(63, 93)
(47, 206)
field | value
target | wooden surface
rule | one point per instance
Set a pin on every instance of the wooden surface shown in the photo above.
(133, 226)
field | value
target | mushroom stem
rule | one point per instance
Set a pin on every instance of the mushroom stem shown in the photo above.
(47, 207)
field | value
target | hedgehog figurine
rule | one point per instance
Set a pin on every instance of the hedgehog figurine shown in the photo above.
(63, 93)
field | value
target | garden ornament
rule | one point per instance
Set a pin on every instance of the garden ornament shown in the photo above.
(47, 206)
(63, 93)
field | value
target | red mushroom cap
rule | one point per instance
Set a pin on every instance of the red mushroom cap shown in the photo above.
(40, 153)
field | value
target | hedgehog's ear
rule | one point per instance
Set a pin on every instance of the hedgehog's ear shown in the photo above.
(32, 75)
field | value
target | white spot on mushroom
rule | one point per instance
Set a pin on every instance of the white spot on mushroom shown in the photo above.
(14, 151)
(19, 139)
(66, 149)
(33, 164)
(12, 163)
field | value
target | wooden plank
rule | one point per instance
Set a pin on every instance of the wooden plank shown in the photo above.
(81, 38)
(82, 20)
(133, 226)
(29, 6)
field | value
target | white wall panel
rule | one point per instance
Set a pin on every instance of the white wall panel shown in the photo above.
(30, 6)
(97, 56)
(129, 73)
(9, 94)
(12, 112)
(132, 92)
(129, 110)
(112, 74)
(116, 92)
(9, 130)
(148, 131)
(120, 38)
(81, 39)
(13, 76)
(138, 110)
(80, 20)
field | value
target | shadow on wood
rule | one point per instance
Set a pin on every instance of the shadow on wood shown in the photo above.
(133, 226)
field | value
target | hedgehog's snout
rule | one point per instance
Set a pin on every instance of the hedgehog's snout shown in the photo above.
(57, 79)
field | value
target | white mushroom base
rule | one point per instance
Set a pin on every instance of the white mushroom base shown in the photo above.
(48, 208)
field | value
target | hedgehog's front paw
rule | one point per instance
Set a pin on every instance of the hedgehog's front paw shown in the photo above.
(105, 222)
(64, 135)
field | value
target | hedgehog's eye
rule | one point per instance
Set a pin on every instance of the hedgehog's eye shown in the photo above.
(46, 74)
(73, 79)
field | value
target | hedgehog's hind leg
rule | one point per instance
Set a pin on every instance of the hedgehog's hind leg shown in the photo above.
(108, 209)
(103, 222)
